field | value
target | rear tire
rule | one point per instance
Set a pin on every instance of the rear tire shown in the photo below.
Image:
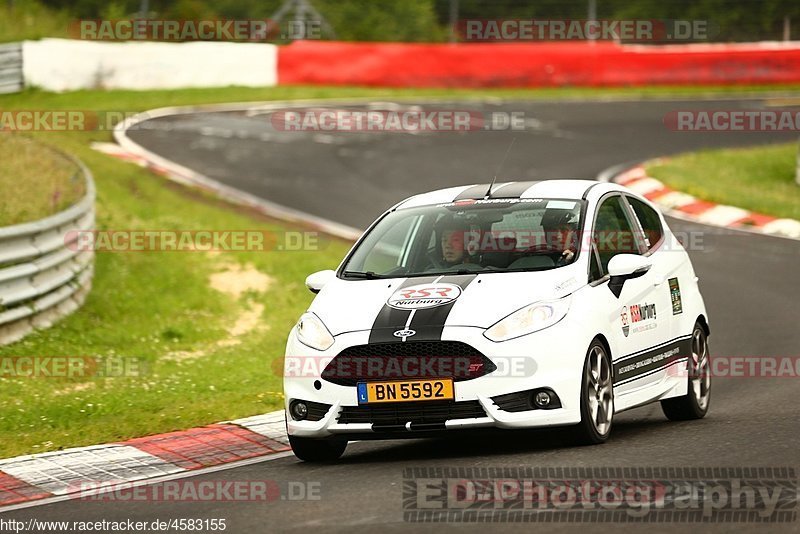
(597, 397)
(693, 405)
(317, 450)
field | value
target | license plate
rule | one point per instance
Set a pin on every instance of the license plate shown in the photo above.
(405, 391)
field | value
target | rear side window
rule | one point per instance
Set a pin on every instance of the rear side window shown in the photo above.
(650, 221)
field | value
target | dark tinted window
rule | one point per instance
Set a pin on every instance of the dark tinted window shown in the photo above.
(651, 223)
(595, 272)
(613, 233)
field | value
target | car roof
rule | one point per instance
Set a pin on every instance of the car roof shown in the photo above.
(570, 189)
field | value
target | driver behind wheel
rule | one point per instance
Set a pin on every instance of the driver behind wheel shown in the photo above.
(561, 234)
(452, 243)
(451, 248)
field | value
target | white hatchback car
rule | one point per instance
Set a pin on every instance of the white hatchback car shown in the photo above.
(527, 304)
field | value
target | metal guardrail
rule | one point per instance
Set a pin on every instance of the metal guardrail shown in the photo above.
(11, 77)
(43, 277)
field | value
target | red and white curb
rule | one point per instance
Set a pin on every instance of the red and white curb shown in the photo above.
(61, 473)
(685, 206)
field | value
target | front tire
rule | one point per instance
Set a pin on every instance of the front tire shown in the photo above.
(597, 397)
(693, 405)
(317, 450)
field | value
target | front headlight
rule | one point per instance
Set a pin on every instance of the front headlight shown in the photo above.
(532, 318)
(312, 332)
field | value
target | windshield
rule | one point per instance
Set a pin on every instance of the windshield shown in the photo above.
(494, 235)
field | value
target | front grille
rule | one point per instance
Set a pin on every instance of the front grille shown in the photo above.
(411, 359)
(398, 414)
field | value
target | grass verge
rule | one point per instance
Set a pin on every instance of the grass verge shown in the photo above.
(119, 100)
(201, 334)
(30, 19)
(760, 179)
(39, 181)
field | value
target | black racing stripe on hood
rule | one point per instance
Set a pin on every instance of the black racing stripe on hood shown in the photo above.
(429, 323)
(390, 320)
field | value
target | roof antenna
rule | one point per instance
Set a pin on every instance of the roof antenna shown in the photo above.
(499, 168)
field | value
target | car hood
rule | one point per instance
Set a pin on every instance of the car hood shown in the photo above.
(478, 300)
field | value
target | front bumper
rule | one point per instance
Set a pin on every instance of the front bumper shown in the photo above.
(552, 358)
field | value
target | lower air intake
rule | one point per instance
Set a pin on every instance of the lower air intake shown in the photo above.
(392, 414)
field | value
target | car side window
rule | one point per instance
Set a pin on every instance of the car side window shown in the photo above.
(650, 221)
(613, 233)
(595, 271)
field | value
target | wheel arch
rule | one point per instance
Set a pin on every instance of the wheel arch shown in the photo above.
(602, 339)
(704, 323)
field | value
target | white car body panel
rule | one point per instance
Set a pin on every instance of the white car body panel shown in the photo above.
(554, 356)
(505, 291)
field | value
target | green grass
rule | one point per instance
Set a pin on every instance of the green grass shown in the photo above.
(36, 180)
(28, 19)
(160, 307)
(760, 179)
(118, 100)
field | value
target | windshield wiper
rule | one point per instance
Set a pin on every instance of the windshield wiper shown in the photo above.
(369, 275)
(446, 273)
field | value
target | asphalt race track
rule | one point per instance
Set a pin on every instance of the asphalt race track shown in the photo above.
(749, 283)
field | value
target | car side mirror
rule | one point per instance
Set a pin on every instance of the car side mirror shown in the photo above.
(315, 282)
(624, 267)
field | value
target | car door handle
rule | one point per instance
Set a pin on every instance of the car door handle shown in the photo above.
(659, 280)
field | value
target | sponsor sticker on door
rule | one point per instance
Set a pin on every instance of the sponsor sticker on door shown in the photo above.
(675, 296)
(638, 318)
